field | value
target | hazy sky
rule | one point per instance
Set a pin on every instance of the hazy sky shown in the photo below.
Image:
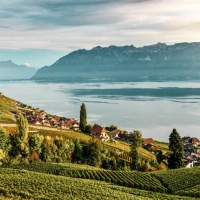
(40, 32)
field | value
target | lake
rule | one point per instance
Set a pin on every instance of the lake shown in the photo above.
(154, 108)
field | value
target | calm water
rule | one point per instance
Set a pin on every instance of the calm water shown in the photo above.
(154, 108)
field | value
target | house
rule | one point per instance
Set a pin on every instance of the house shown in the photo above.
(36, 122)
(185, 139)
(42, 115)
(148, 141)
(114, 135)
(191, 140)
(195, 141)
(148, 146)
(100, 132)
(188, 163)
(75, 127)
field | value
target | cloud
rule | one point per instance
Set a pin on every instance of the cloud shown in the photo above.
(66, 25)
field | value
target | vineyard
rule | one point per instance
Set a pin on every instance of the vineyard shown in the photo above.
(181, 181)
(35, 185)
(124, 178)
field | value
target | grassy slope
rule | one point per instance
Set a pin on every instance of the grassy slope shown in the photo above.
(44, 186)
(162, 146)
(6, 108)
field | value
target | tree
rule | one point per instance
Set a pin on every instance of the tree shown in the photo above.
(78, 152)
(22, 124)
(21, 139)
(35, 142)
(136, 139)
(35, 145)
(48, 151)
(83, 118)
(4, 141)
(88, 128)
(176, 147)
(93, 152)
(159, 156)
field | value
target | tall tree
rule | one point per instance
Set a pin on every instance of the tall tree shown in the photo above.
(176, 147)
(21, 139)
(136, 139)
(83, 117)
(159, 156)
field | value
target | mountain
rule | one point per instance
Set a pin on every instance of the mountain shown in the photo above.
(12, 71)
(155, 62)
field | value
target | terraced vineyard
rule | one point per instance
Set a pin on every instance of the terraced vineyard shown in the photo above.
(191, 192)
(28, 185)
(124, 178)
(181, 181)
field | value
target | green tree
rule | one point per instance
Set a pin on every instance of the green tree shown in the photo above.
(113, 127)
(88, 128)
(159, 156)
(21, 139)
(176, 147)
(83, 117)
(48, 152)
(136, 139)
(35, 142)
(78, 152)
(5, 144)
(22, 124)
(93, 152)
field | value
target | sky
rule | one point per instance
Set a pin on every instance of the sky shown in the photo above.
(40, 32)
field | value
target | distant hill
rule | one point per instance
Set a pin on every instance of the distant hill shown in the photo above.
(12, 71)
(155, 62)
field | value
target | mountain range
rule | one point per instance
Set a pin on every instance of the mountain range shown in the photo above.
(159, 62)
(12, 71)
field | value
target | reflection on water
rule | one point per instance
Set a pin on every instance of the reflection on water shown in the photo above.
(155, 108)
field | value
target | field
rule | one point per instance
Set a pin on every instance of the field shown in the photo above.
(124, 178)
(182, 181)
(36, 185)
(163, 146)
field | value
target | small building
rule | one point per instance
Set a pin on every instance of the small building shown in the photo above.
(114, 135)
(75, 127)
(100, 132)
(188, 163)
(148, 141)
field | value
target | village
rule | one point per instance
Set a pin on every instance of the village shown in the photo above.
(40, 117)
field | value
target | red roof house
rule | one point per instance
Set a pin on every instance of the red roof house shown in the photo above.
(100, 132)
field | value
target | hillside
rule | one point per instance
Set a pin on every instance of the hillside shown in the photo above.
(12, 71)
(7, 111)
(128, 63)
(56, 181)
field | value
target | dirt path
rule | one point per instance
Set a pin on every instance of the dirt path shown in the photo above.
(31, 126)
